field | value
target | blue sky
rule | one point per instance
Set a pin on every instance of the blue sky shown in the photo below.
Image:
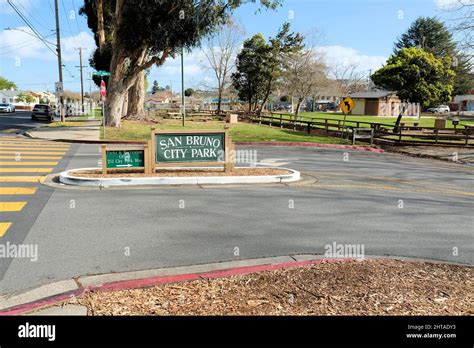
(361, 31)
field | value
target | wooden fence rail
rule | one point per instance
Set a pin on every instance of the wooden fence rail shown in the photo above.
(382, 131)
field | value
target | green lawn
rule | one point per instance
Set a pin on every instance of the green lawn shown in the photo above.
(423, 121)
(132, 130)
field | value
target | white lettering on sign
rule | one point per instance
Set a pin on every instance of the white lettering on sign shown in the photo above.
(166, 143)
(202, 141)
(175, 153)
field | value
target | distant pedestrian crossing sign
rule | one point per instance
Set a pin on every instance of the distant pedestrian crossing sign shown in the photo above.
(347, 105)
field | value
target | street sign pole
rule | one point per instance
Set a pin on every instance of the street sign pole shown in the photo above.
(346, 106)
(102, 83)
(343, 125)
(182, 84)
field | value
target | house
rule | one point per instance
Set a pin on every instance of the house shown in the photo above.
(382, 103)
(159, 99)
(370, 102)
(465, 102)
(8, 96)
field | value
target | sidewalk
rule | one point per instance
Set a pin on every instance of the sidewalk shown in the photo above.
(90, 131)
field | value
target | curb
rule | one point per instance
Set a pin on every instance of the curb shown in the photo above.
(211, 273)
(152, 277)
(68, 179)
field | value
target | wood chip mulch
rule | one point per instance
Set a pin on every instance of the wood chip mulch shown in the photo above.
(369, 287)
(182, 172)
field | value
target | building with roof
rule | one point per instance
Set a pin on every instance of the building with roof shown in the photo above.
(382, 103)
(8, 96)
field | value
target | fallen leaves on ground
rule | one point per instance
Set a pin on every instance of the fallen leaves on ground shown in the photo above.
(369, 287)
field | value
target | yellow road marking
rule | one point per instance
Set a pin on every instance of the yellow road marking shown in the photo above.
(4, 226)
(26, 170)
(32, 148)
(3, 152)
(10, 130)
(61, 147)
(21, 163)
(21, 178)
(51, 157)
(11, 206)
(23, 142)
(17, 190)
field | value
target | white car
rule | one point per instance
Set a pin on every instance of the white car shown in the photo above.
(440, 109)
(7, 107)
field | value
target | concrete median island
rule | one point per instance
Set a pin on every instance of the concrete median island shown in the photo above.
(179, 176)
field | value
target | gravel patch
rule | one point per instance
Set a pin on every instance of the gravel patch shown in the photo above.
(369, 287)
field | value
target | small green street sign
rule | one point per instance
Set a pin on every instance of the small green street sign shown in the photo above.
(125, 158)
(101, 73)
(189, 147)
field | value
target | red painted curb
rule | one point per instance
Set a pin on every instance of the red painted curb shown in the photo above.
(149, 282)
(304, 144)
(29, 307)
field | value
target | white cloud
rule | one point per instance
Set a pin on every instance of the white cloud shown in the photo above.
(69, 46)
(22, 43)
(195, 70)
(335, 55)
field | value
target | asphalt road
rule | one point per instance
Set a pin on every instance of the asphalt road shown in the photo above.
(390, 204)
(17, 122)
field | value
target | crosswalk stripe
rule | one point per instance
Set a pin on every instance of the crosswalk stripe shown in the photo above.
(26, 170)
(20, 178)
(8, 143)
(17, 190)
(24, 163)
(10, 130)
(32, 148)
(50, 157)
(4, 226)
(3, 152)
(11, 206)
(25, 143)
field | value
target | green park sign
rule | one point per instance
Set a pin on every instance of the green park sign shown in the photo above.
(116, 159)
(192, 146)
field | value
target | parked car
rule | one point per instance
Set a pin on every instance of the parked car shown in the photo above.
(43, 111)
(332, 106)
(7, 107)
(440, 109)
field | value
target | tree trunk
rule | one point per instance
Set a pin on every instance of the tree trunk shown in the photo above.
(100, 24)
(298, 108)
(136, 98)
(219, 101)
(125, 105)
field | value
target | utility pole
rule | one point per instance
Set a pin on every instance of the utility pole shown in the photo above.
(182, 84)
(82, 80)
(60, 66)
(90, 95)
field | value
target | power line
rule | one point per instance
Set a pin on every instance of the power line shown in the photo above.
(68, 24)
(77, 23)
(32, 17)
(27, 22)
